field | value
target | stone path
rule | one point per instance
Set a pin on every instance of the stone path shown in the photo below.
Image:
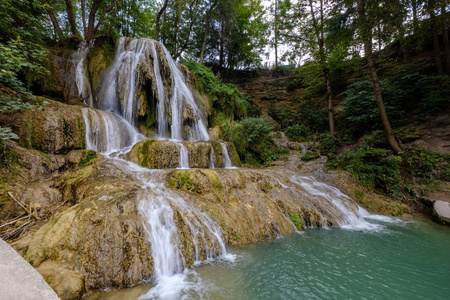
(19, 280)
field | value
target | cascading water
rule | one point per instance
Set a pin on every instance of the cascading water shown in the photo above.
(226, 158)
(184, 156)
(347, 211)
(212, 158)
(107, 132)
(84, 88)
(162, 118)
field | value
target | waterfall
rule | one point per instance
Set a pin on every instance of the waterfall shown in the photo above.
(184, 156)
(212, 158)
(162, 118)
(112, 129)
(226, 158)
(182, 96)
(107, 132)
(120, 88)
(335, 202)
(83, 86)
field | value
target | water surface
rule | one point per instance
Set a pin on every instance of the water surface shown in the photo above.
(398, 260)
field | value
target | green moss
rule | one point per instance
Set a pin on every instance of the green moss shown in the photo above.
(217, 148)
(238, 237)
(310, 155)
(182, 180)
(215, 181)
(26, 140)
(234, 155)
(87, 157)
(143, 156)
(295, 218)
(266, 187)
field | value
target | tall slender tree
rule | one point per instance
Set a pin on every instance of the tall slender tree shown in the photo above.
(366, 24)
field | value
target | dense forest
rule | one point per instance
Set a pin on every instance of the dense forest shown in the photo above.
(357, 73)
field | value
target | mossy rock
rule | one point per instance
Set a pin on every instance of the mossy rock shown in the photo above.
(99, 59)
(57, 129)
(155, 154)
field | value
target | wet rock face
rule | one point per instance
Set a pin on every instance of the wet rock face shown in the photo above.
(98, 243)
(253, 205)
(57, 129)
(155, 154)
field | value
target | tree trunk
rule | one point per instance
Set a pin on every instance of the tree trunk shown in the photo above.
(71, 17)
(319, 31)
(366, 32)
(436, 48)
(276, 32)
(326, 73)
(158, 18)
(414, 11)
(55, 23)
(83, 16)
(405, 49)
(92, 27)
(205, 37)
(446, 40)
(221, 46)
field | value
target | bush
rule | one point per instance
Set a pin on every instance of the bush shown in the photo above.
(328, 144)
(285, 116)
(361, 110)
(253, 140)
(375, 168)
(223, 97)
(297, 133)
(423, 163)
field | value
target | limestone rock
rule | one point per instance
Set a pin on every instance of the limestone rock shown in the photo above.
(441, 209)
(154, 154)
(57, 129)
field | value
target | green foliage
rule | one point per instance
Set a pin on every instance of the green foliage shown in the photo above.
(328, 144)
(8, 157)
(423, 163)
(375, 168)
(310, 155)
(404, 89)
(295, 218)
(297, 132)
(361, 110)
(252, 138)
(224, 97)
(24, 58)
(285, 116)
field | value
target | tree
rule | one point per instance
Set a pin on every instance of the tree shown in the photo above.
(365, 24)
(158, 18)
(212, 5)
(318, 26)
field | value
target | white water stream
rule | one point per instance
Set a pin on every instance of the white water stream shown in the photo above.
(226, 158)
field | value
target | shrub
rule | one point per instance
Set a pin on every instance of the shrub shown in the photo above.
(375, 168)
(285, 116)
(297, 133)
(223, 97)
(423, 163)
(253, 140)
(328, 144)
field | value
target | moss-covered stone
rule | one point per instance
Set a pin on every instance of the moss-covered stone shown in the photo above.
(57, 129)
(99, 59)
